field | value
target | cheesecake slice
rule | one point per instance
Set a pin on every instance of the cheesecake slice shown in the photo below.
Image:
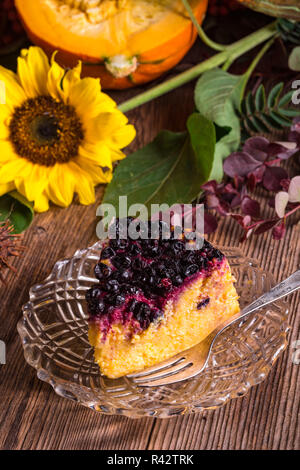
(155, 298)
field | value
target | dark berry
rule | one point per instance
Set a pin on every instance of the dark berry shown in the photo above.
(102, 271)
(112, 285)
(178, 247)
(203, 303)
(121, 261)
(107, 253)
(117, 300)
(100, 306)
(93, 293)
(134, 249)
(190, 270)
(138, 264)
(177, 280)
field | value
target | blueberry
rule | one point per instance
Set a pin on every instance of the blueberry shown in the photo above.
(92, 294)
(177, 280)
(132, 305)
(102, 271)
(134, 249)
(178, 247)
(121, 261)
(117, 300)
(190, 269)
(100, 306)
(107, 253)
(203, 303)
(112, 285)
(138, 264)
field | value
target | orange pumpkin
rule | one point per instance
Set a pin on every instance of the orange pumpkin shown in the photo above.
(124, 42)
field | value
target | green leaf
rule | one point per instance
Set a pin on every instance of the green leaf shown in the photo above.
(260, 99)
(294, 59)
(17, 209)
(267, 114)
(170, 170)
(218, 97)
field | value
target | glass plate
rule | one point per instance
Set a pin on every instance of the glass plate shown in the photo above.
(54, 336)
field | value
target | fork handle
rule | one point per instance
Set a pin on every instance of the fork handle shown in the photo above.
(282, 289)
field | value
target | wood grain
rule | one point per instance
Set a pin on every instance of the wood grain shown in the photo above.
(32, 416)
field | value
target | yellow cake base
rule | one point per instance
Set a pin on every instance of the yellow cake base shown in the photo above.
(183, 325)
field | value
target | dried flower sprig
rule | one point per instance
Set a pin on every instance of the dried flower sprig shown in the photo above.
(10, 246)
(257, 164)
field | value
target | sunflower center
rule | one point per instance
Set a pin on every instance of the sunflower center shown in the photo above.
(45, 131)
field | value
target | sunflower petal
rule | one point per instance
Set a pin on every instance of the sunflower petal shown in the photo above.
(36, 182)
(13, 170)
(41, 203)
(123, 136)
(98, 174)
(7, 152)
(14, 93)
(99, 154)
(6, 188)
(61, 185)
(71, 78)
(105, 125)
(54, 79)
(88, 100)
(33, 68)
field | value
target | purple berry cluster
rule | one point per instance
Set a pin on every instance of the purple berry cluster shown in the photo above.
(136, 277)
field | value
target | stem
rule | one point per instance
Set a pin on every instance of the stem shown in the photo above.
(234, 50)
(202, 35)
(292, 211)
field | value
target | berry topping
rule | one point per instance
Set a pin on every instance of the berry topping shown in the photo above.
(137, 277)
(102, 271)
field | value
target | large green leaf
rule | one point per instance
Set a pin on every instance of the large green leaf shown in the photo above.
(169, 170)
(17, 209)
(218, 96)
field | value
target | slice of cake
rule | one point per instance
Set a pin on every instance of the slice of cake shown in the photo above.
(155, 298)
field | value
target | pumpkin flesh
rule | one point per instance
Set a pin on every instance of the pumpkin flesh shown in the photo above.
(155, 33)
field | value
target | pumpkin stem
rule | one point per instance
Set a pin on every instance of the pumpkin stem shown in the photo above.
(202, 34)
(232, 52)
(121, 66)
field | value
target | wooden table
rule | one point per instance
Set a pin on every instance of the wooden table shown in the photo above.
(32, 416)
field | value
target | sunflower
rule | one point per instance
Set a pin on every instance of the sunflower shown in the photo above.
(59, 134)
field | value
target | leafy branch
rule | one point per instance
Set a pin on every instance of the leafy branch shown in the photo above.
(267, 114)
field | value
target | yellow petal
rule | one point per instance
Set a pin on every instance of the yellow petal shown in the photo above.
(123, 136)
(14, 169)
(61, 185)
(98, 174)
(105, 125)
(33, 68)
(14, 93)
(7, 152)
(99, 154)
(54, 79)
(71, 78)
(116, 155)
(6, 188)
(41, 203)
(88, 100)
(36, 182)
(84, 186)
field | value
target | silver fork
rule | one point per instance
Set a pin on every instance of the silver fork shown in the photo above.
(191, 362)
